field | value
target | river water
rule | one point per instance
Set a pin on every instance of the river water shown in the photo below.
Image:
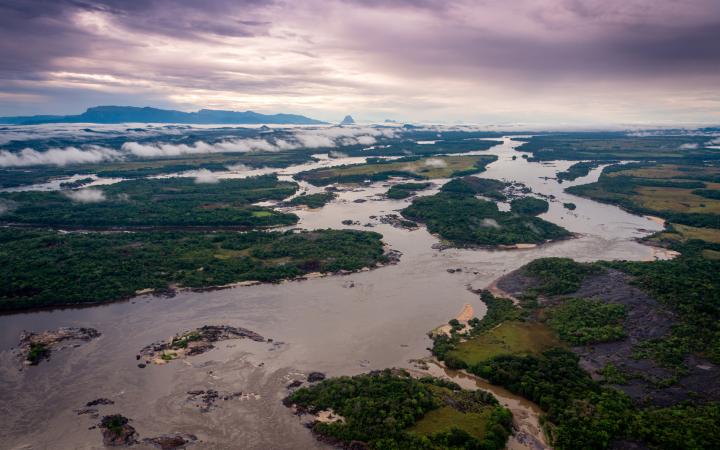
(341, 325)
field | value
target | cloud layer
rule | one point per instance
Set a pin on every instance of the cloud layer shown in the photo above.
(579, 61)
(291, 139)
(86, 196)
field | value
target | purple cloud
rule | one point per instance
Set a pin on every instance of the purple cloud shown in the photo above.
(588, 60)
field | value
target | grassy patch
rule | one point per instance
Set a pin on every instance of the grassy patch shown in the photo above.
(446, 418)
(674, 199)
(37, 352)
(666, 190)
(423, 168)
(508, 338)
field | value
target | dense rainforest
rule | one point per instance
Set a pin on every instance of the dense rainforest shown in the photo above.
(389, 409)
(171, 202)
(49, 268)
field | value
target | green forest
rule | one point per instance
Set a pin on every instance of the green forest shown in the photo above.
(465, 220)
(405, 190)
(171, 202)
(48, 268)
(389, 409)
(529, 205)
(312, 200)
(581, 412)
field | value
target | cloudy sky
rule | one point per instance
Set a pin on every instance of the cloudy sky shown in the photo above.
(484, 61)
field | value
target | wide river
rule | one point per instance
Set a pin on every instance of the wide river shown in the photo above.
(339, 325)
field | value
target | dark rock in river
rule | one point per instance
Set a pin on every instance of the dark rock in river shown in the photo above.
(207, 400)
(294, 384)
(171, 442)
(117, 432)
(100, 401)
(315, 376)
(93, 412)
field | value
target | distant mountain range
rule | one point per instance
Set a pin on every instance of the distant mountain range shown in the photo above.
(121, 114)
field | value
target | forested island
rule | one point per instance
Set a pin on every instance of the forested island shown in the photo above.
(457, 216)
(48, 268)
(409, 167)
(312, 200)
(577, 170)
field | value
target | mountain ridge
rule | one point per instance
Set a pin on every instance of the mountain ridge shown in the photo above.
(111, 114)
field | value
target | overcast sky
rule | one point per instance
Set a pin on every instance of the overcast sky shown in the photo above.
(486, 61)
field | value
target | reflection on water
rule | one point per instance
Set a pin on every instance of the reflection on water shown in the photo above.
(324, 324)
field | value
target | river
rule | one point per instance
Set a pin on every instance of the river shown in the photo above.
(341, 325)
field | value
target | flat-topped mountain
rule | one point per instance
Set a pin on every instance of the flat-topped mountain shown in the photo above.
(121, 114)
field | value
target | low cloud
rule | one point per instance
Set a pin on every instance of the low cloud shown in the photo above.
(86, 196)
(199, 147)
(204, 176)
(293, 139)
(490, 223)
(690, 146)
(336, 154)
(4, 206)
(238, 167)
(58, 156)
(435, 163)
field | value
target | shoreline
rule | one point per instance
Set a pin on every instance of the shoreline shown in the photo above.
(392, 255)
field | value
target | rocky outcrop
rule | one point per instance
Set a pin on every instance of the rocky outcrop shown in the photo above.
(206, 400)
(117, 431)
(315, 377)
(194, 342)
(36, 347)
(171, 441)
(647, 380)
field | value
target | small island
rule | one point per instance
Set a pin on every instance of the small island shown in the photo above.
(466, 221)
(408, 167)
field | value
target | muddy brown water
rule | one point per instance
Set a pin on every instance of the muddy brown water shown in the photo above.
(322, 324)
